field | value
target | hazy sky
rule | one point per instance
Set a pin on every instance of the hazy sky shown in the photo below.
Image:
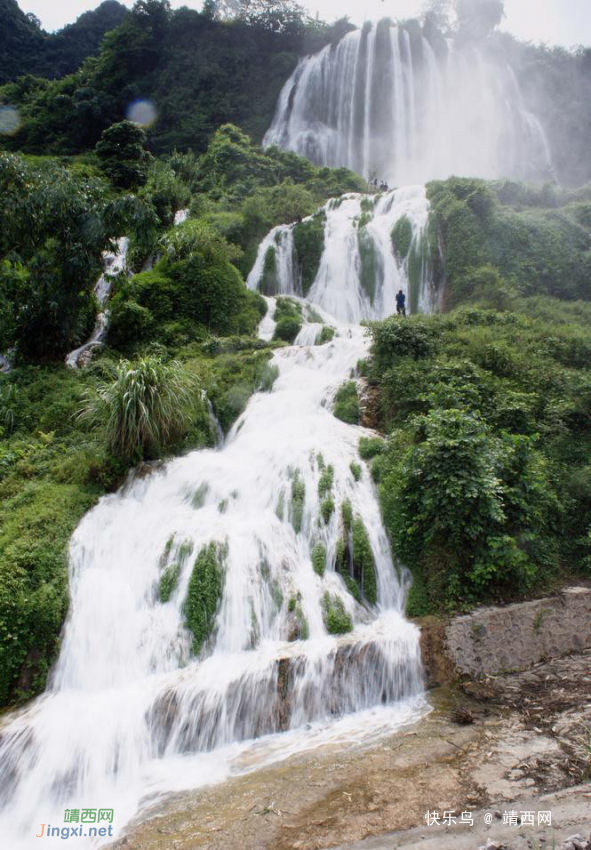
(566, 22)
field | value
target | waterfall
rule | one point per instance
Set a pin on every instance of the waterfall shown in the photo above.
(135, 708)
(372, 246)
(388, 103)
(114, 263)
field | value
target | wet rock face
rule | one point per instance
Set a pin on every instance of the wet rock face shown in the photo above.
(499, 639)
(281, 698)
(369, 405)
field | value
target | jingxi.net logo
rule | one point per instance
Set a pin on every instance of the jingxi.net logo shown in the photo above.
(88, 824)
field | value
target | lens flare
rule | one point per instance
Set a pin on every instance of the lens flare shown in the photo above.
(10, 120)
(142, 112)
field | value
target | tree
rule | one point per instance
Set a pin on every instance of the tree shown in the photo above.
(274, 15)
(48, 269)
(122, 155)
(478, 18)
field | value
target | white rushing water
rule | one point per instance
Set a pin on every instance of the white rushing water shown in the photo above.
(391, 105)
(131, 712)
(373, 246)
(114, 263)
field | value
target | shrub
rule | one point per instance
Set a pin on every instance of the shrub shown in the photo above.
(146, 406)
(370, 447)
(287, 329)
(346, 406)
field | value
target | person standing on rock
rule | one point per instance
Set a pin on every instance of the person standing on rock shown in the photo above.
(401, 303)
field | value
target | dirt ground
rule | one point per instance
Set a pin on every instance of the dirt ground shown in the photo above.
(516, 742)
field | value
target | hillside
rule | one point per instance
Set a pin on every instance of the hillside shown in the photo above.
(26, 49)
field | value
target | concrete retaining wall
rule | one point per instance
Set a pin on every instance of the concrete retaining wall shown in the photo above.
(496, 640)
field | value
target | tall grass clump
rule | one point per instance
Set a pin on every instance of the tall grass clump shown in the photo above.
(144, 406)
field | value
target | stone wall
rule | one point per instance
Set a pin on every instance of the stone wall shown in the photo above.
(496, 640)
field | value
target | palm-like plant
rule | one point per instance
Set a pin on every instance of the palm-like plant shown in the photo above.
(145, 406)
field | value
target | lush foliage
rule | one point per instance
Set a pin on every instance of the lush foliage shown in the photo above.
(121, 155)
(56, 224)
(506, 239)
(485, 483)
(199, 72)
(145, 406)
(288, 316)
(346, 403)
(27, 49)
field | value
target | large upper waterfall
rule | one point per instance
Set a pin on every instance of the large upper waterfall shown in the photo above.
(389, 103)
(353, 256)
(272, 521)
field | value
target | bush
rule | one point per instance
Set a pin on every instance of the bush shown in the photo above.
(145, 407)
(287, 329)
(346, 405)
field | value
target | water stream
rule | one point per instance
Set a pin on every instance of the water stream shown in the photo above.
(114, 263)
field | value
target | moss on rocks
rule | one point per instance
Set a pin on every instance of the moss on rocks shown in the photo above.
(308, 240)
(319, 559)
(298, 499)
(205, 593)
(336, 618)
(346, 406)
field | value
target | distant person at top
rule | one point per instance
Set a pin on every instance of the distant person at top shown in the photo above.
(401, 303)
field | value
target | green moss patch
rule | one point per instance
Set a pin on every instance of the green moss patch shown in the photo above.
(205, 593)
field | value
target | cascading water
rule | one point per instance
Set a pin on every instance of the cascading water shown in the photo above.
(370, 247)
(114, 264)
(134, 709)
(389, 103)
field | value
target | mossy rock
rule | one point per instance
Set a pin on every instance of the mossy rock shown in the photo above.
(205, 593)
(336, 618)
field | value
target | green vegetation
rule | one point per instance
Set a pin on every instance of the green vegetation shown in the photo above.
(485, 484)
(363, 562)
(346, 404)
(146, 406)
(326, 482)
(198, 71)
(172, 568)
(168, 582)
(371, 447)
(336, 618)
(356, 471)
(354, 558)
(319, 559)
(504, 240)
(288, 315)
(122, 157)
(298, 499)
(204, 593)
(308, 240)
(327, 508)
(47, 271)
(402, 237)
(27, 49)
(327, 334)
(371, 271)
(51, 472)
